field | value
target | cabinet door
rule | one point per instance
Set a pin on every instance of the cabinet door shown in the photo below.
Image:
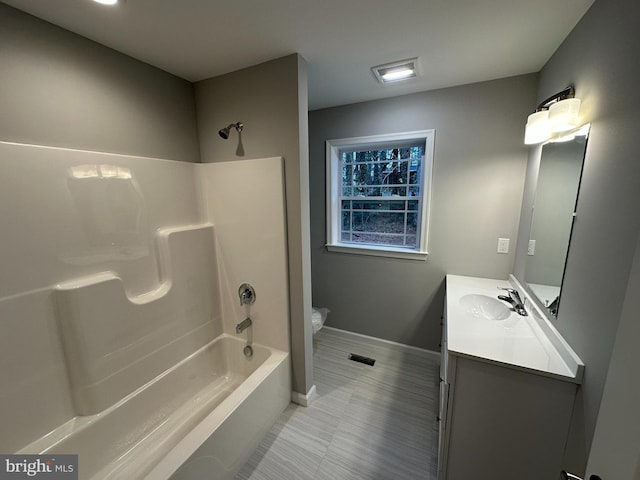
(442, 427)
(505, 424)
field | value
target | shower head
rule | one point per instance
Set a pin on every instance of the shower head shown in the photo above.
(224, 132)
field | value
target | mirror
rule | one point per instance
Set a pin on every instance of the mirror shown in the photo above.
(553, 214)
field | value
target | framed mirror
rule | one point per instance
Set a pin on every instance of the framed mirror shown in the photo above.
(556, 196)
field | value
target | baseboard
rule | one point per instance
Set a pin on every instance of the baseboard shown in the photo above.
(304, 399)
(386, 343)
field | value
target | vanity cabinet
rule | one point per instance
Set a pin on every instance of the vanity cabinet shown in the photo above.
(444, 395)
(506, 402)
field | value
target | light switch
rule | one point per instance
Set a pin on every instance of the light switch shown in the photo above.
(503, 245)
(532, 248)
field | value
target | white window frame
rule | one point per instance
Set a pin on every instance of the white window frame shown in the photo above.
(333, 148)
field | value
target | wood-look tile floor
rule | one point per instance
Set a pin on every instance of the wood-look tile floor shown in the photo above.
(367, 422)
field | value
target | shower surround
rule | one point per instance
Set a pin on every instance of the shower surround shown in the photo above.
(118, 302)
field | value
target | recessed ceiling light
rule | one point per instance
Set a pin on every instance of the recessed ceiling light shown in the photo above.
(398, 74)
(106, 2)
(396, 71)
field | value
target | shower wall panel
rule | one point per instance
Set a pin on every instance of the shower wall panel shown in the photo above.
(67, 214)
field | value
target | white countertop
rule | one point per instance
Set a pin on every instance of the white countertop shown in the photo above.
(528, 343)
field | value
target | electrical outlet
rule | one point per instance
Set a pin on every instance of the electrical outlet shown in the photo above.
(503, 245)
(531, 250)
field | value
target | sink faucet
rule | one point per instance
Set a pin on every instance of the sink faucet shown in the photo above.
(514, 300)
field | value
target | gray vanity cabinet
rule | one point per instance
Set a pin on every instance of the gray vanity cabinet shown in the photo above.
(498, 421)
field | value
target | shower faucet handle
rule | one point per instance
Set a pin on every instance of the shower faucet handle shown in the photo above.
(247, 294)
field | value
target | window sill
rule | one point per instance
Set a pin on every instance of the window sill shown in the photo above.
(377, 251)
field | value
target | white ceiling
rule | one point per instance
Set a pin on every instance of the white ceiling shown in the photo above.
(458, 41)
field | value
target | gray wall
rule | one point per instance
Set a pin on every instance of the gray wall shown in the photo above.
(478, 176)
(600, 57)
(616, 444)
(271, 100)
(60, 89)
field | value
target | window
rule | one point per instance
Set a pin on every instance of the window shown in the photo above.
(378, 194)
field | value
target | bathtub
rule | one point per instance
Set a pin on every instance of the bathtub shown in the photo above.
(201, 418)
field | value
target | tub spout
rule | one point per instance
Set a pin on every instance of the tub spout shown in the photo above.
(243, 325)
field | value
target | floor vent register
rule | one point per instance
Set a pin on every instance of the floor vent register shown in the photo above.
(359, 358)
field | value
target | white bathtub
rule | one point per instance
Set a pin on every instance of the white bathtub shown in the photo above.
(199, 419)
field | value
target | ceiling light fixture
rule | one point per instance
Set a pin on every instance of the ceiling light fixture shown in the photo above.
(555, 115)
(106, 2)
(396, 71)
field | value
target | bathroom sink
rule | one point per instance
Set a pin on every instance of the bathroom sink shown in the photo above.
(483, 306)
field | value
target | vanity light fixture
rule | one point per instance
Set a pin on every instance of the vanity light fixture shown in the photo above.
(583, 131)
(563, 115)
(396, 71)
(537, 129)
(557, 114)
(106, 2)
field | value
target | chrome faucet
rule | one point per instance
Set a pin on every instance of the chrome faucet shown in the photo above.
(514, 300)
(243, 325)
